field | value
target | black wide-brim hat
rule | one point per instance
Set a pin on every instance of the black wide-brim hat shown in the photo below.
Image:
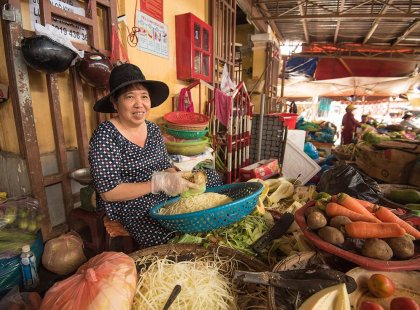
(127, 74)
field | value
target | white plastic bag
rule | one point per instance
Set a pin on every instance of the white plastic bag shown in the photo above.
(227, 85)
(64, 254)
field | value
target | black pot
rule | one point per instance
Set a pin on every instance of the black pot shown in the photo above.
(95, 69)
(46, 55)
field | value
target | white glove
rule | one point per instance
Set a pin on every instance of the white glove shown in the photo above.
(171, 183)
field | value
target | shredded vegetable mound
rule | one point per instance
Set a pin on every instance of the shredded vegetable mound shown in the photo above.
(195, 203)
(203, 286)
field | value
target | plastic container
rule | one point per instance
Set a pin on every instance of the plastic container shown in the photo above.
(194, 147)
(289, 119)
(29, 268)
(366, 262)
(244, 196)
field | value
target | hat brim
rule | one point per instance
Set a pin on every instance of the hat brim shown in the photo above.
(158, 92)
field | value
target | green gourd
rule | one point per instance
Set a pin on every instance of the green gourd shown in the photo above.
(404, 196)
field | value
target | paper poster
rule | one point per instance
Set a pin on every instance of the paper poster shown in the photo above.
(153, 8)
(152, 35)
(75, 32)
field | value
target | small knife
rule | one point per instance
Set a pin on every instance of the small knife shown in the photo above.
(304, 280)
(279, 228)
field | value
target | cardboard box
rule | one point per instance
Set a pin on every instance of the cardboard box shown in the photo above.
(263, 169)
(391, 165)
(414, 178)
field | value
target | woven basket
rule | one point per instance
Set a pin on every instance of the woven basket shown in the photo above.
(302, 260)
(187, 127)
(244, 196)
(187, 148)
(183, 252)
(186, 118)
(186, 134)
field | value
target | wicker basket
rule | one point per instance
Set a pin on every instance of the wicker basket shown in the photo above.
(187, 127)
(244, 196)
(187, 148)
(186, 118)
(276, 296)
(183, 252)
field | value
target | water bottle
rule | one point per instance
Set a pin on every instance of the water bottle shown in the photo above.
(29, 270)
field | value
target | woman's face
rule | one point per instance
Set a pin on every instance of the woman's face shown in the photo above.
(133, 105)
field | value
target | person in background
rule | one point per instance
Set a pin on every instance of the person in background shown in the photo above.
(406, 122)
(349, 124)
(367, 119)
(293, 107)
(128, 159)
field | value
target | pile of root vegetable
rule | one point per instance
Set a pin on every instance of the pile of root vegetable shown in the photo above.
(358, 225)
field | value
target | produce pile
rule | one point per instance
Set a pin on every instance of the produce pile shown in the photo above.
(408, 198)
(279, 196)
(360, 226)
(20, 219)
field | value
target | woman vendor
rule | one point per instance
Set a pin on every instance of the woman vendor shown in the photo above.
(129, 163)
(349, 124)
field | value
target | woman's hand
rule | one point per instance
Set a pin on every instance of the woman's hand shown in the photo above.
(172, 183)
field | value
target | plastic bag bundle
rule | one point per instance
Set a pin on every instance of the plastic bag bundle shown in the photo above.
(64, 254)
(106, 281)
(349, 180)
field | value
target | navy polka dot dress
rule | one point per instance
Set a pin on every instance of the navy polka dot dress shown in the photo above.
(113, 160)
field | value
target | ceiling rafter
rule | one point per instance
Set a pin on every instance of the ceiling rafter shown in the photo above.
(406, 32)
(264, 12)
(338, 16)
(302, 11)
(375, 24)
(340, 8)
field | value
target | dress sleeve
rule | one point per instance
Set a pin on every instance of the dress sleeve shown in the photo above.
(104, 159)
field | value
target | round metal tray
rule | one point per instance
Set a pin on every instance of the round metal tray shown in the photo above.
(82, 176)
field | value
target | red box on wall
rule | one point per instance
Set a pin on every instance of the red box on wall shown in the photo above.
(194, 48)
(262, 169)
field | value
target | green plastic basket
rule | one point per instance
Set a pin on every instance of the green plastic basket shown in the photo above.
(186, 134)
(187, 148)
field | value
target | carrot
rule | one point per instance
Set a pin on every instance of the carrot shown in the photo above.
(385, 215)
(352, 204)
(334, 209)
(363, 230)
(334, 198)
(367, 204)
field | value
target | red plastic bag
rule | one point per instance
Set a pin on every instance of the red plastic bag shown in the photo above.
(185, 99)
(106, 281)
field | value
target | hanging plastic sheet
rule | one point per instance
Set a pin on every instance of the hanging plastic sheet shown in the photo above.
(298, 67)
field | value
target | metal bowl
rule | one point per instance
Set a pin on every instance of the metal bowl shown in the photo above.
(82, 176)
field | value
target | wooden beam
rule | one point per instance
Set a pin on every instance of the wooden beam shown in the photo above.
(20, 94)
(337, 16)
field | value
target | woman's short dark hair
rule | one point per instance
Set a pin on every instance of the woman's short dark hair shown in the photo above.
(127, 88)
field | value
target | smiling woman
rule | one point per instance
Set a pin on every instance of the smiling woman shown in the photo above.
(129, 163)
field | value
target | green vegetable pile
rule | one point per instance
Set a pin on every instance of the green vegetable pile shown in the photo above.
(238, 236)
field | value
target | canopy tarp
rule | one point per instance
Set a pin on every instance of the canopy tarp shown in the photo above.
(358, 86)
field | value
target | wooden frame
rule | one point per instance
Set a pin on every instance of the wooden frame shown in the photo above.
(20, 95)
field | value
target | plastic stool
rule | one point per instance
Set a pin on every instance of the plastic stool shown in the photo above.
(94, 221)
(114, 231)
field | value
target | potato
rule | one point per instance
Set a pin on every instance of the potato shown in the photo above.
(310, 210)
(339, 221)
(331, 235)
(316, 220)
(377, 248)
(403, 247)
